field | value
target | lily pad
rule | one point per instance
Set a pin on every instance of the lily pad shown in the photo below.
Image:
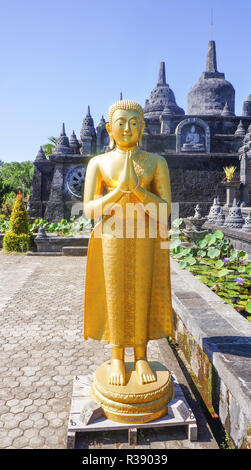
(201, 253)
(182, 264)
(242, 269)
(243, 255)
(219, 234)
(213, 252)
(219, 264)
(248, 269)
(210, 239)
(201, 243)
(233, 255)
(248, 306)
(177, 222)
(190, 260)
(174, 244)
(222, 272)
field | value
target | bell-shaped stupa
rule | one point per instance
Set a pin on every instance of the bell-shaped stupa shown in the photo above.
(88, 134)
(88, 128)
(211, 93)
(74, 143)
(63, 146)
(161, 97)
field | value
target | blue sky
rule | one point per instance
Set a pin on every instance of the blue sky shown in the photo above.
(59, 56)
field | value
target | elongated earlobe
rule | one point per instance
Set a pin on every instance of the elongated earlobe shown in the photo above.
(139, 143)
(112, 141)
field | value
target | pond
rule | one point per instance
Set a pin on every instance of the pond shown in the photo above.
(226, 271)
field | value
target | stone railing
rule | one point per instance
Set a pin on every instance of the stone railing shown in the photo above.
(216, 343)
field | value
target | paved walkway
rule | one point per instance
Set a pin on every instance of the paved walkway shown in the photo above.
(42, 348)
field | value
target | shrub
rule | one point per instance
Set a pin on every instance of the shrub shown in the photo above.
(17, 237)
(19, 221)
(16, 242)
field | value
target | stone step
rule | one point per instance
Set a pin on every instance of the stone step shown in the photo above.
(74, 250)
(44, 253)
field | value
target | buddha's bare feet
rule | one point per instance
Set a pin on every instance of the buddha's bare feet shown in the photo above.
(144, 372)
(117, 372)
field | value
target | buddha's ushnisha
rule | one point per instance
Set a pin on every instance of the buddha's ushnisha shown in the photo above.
(127, 289)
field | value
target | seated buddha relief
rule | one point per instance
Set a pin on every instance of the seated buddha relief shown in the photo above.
(193, 140)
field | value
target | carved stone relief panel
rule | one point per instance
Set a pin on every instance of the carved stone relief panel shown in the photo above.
(192, 135)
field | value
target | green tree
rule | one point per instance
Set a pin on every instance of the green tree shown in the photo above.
(1, 190)
(8, 202)
(17, 175)
(48, 148)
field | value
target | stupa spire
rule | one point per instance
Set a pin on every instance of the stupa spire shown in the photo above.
(162, 74)
(63, 146)
(63, 129)
(41, 154)
(211, 65)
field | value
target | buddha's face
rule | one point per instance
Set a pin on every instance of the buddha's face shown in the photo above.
(127, 127)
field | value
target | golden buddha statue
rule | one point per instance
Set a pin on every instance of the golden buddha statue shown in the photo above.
(127, 287)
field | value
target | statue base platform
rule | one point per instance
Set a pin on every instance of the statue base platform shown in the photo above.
(133, 402)
(179, 414)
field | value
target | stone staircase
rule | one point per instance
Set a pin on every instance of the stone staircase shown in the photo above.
(74, 250)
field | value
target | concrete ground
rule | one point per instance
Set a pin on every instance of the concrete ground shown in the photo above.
(42, 348)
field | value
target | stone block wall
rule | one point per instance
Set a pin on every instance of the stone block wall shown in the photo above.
(198, 180)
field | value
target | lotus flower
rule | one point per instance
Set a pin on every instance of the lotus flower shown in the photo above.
(239, 280)
(229, 171)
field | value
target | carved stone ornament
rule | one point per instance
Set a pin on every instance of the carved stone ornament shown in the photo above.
(214, 211)
(247, 226)
(75, 181)
(220, 218)
(234, 218)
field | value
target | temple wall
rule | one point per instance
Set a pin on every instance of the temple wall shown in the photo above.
(195, 176)
(198, 180)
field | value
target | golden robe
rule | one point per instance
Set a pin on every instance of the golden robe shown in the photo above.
(127, 286)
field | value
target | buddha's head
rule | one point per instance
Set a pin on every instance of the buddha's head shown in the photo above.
(125, 124)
